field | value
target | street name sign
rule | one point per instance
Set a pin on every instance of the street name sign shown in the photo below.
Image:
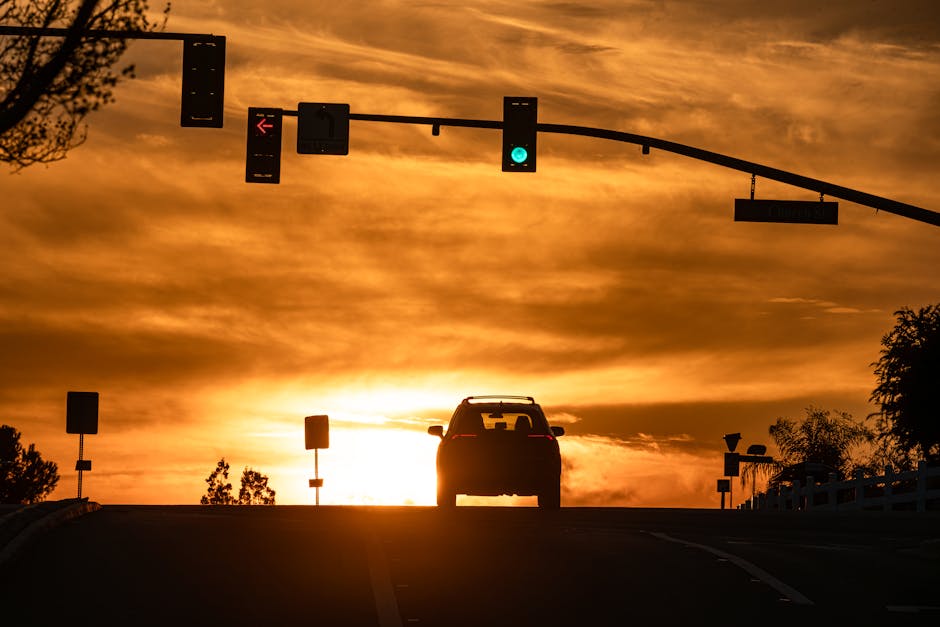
(756, 459)
(786, 211)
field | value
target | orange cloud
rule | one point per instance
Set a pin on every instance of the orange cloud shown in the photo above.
(613, 286)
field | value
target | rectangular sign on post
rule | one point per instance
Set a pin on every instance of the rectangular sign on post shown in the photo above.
(322, 128)
(786, 211)
(81, 412)
(724, 485)
(317, 432)
(732, 461)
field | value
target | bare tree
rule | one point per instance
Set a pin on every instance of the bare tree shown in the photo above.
(49, 84)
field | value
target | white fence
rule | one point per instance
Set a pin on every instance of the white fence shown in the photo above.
(912, 490)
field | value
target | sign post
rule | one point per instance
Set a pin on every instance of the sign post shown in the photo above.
(81, 417)
(755, 455)
(724, 485)
(316, 436)
(731, 464)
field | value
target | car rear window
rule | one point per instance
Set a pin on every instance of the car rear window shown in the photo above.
(476, 421)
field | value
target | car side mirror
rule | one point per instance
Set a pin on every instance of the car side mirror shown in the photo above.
(558, 431)
(437, 430)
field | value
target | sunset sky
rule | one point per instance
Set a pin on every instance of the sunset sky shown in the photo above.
(383, 287)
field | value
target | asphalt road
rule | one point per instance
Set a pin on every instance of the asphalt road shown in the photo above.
(285, 566)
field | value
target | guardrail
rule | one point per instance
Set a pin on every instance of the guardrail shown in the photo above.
(913, 490)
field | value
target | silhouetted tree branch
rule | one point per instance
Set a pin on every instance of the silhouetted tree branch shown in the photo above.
(908, 389)
(49, 84)
(752, 472)
(24, 476)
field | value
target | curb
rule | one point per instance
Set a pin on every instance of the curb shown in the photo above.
(38, 527)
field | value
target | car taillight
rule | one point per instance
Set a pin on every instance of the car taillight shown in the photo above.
(464, 435)
(538, 435)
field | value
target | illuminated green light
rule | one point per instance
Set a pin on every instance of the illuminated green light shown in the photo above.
(519, 154)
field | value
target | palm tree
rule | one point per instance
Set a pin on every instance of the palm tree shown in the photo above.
(822, 441)
(754, 471)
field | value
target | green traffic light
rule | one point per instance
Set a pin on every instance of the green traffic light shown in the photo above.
(519, 154)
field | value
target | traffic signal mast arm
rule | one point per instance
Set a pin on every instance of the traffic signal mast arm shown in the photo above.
(203, 84)
(822, 187)
(27, 31)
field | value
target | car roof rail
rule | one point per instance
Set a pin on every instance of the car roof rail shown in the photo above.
(499, 397)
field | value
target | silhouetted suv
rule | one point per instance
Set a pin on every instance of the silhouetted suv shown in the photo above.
(498, 445)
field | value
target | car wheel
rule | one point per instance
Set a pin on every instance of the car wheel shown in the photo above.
(551, 497)
(445, 496)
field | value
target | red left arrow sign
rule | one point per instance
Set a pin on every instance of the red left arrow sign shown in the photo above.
(263, 125)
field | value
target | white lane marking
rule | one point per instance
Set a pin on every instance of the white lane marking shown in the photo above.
(787, 591)
(386, 605)
(818, 547)
(911, 609)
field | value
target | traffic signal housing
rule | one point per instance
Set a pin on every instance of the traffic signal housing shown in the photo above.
(263, 151)
(203, 82)
(520, 132)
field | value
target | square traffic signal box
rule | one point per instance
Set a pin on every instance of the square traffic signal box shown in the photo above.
(203, 82)
(322, 128)
(263, 150)
(81, 412)
(520, 132)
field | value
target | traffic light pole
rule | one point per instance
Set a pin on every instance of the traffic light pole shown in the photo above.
(755, 169)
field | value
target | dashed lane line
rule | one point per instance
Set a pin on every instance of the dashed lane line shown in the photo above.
(913, 609)
(787, 591)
